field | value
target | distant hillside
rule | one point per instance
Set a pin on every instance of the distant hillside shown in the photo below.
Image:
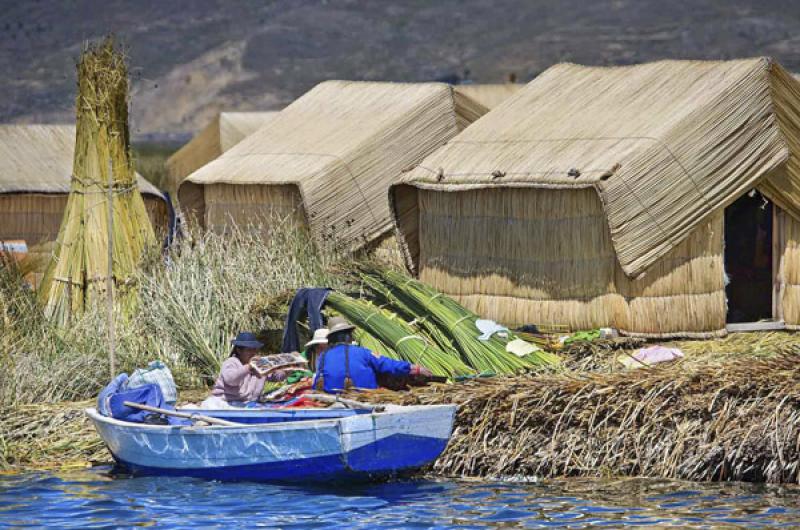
(191, 58)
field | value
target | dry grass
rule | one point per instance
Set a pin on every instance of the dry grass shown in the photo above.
(737, 420)
(190, 307)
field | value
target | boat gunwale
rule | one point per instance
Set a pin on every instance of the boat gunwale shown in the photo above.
(95, 415)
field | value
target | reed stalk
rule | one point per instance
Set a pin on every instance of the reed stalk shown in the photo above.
(457, 323)
(398, 335)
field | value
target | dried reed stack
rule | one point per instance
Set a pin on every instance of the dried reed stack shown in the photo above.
(696, 421)
(77, 275)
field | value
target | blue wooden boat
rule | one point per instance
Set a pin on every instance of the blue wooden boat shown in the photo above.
(290, 445)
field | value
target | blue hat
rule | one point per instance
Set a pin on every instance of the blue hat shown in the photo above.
(246, 339)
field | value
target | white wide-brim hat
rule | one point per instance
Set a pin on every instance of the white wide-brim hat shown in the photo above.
(320, 337)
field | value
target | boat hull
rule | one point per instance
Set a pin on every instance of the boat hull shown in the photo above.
(355, 447)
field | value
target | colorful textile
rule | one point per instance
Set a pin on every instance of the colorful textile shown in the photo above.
(236, 382)
(156, 373)
(363, 368)
(298, 375)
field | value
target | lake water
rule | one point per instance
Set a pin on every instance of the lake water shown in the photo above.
(94, 499)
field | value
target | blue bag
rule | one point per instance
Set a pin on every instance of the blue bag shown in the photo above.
(144, 395)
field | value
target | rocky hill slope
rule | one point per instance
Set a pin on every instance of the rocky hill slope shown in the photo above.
(191, 58)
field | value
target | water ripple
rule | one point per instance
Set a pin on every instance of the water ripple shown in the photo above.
(94, 499)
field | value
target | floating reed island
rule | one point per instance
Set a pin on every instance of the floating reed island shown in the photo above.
(696, 419)
(730, 410)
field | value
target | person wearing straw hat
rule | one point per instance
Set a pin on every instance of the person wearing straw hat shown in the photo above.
(238, 381)
(315, 347)
(344, 366)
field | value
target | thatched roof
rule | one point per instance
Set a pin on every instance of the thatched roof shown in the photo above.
(38, 159)
(342, 144)
(225, 130)
(489, 96)
(664, 144)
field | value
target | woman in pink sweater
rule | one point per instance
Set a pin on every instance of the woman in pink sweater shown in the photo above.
(238, 381)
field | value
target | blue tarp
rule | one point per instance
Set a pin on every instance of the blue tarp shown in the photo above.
(310, 299)
(111, 401)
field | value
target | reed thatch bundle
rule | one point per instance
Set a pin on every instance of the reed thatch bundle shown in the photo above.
(706, 421)
(444, 316)
(490, 95)
(77, 275)
(386, 331)
(225, 130)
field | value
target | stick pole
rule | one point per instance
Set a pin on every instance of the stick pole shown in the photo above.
(349, 403)
(185, 415)
(110, 279)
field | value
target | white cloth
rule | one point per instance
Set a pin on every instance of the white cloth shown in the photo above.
(489, 328)
(216, 403)
(520, 348)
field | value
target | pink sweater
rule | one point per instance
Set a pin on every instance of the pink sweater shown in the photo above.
(236, 382)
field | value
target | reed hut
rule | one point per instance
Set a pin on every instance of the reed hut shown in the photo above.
(35, 171)
(225, 130)
(327, 160)
(489, 95)
(662, 199)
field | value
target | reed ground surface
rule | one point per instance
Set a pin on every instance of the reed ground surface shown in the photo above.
(730, 410)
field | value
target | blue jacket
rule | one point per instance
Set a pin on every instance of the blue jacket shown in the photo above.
(364, 368)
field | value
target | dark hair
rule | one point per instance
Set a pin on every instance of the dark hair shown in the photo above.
(339, 337)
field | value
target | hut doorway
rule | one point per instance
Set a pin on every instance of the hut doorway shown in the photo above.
(749, 259)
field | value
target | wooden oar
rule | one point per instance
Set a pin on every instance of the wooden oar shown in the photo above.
(185, 415)
(351, 403)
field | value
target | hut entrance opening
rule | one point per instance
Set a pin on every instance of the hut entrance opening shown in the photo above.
(749, 259)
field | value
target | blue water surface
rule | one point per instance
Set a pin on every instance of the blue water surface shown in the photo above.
(95, 499)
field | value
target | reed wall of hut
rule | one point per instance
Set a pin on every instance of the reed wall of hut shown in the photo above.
(340, 146)
(789, 270)
(226, 205)
(544, 256)
(36, 217)
(35, 172)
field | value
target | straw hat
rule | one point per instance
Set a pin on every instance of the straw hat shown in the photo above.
(320, 337)
(336, 324)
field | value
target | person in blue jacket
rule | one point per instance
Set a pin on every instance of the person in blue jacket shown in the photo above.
(344, 366)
